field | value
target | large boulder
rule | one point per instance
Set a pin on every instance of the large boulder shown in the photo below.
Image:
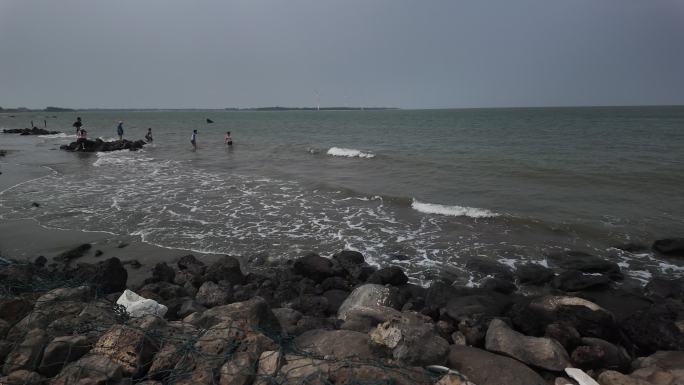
(542, 352)
(131, 349)
(340, 344)
(66, 294)
(90, 369)
(108, 276)
(654, 329)
(314, 267)
(482, 267)
(482, 303)
(191, 264)
(254, 311)
(532, 316)
(392, 275)
(61, 351)
(614, 357)
(368, 295)
(587, 263)
(533, 274)
(28, 353)
(211, 294)
(670, 246)
(238, 370)
(354, 264)
(225, 269)
(413, 340)
(485, 368)
(574, 280)
(162, 273)
(660, 367)
(13, 309)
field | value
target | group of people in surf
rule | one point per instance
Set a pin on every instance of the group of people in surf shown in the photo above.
(82, 134)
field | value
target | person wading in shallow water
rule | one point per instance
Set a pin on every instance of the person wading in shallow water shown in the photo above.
(81, 138)
(77, 124)
(119, 130)
(148, 136)
(193, 140)
(227, 139)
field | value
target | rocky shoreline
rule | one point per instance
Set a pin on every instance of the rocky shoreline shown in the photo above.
(339, 320)
(30, 131)
(99, 145)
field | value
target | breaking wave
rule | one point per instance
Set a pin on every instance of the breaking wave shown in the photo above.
(349, 153)
(454, 211)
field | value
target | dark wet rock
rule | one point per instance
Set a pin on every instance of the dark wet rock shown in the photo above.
(654, 329)
(108, 276)
(4, 328)
(354, 264)
(314, 305)
(134, 263)
(5, 349)
(587, 263)
(12, 309)
(534, 274)
(485, 303)
(62, 295)
(314, 267)
(564, 333)
(335, 283)
(238, 370)
(162, 273)
(369, 295)
(392, 275)
(531, 316)
(188, 307)
(620, 302)
(43, 317)
(413, 340)
(487, 267)
(162, 291)
(23, 377)
(665, 288)
(98, 145)
(30, 131)
(589, 357)
(189, 262)
(225, 269)
(485, 368)
(61, 351)
(98, 253)
(27, 354)
(288, 319)
(499, 285)
(670, 246)
(211, 294)
(614, 357)
(90, 369)
(335, 299)
(541, 352)
(574, 280)
(130, 348)
(17, 277)
(339, 344)
(41, 261)
(632, 247)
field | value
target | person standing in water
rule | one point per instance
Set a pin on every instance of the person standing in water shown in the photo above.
(227, 139)
(77, 124)
(193, 140)
(148, 136)
(119, 130)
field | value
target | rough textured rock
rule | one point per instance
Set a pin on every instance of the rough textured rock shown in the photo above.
(364, 318)
(72, 294)
(663, 367)
(368, 295)
(314, 266)
(12, 309)
(129, 348)
(23, 377)
(76, 252)
(484, 368)
(665, 288)
(354, 264)
(615, 357)
(61, 351)
(654, 329)
(453, 379)
(610, 377)
(255, 312)
(567, 335)
(27, 354)
(98, 145)
(339, 344)
(484, 304)
(587, 263)
(211, 294)
(540, 352)
(392, 275)
(225, 269)
(162, 273)
(191, 264)
(108, 276)
(239, 370)
(412, 339)
(270, 363)
(90, 369)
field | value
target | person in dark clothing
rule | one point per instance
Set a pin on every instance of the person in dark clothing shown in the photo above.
(148, 136)
(77, 124)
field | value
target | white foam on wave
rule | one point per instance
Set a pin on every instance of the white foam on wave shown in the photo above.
(349, 153)
(61, 135)
(454, 211)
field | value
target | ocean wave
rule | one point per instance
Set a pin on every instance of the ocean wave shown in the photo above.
(349, 153)
(61, 135)
(454, 211)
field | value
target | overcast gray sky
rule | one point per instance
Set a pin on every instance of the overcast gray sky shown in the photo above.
(402, 53)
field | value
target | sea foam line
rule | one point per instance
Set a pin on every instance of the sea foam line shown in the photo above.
(349, 153)
(454, 211)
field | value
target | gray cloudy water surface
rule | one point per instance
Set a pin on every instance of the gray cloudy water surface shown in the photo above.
(418, 188)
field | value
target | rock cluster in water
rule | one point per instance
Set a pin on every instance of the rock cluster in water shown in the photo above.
(30, 131)
(339, 320)
(99, 145)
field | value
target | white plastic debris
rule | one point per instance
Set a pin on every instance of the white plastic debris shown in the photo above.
(137, 306)
(579, 376)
